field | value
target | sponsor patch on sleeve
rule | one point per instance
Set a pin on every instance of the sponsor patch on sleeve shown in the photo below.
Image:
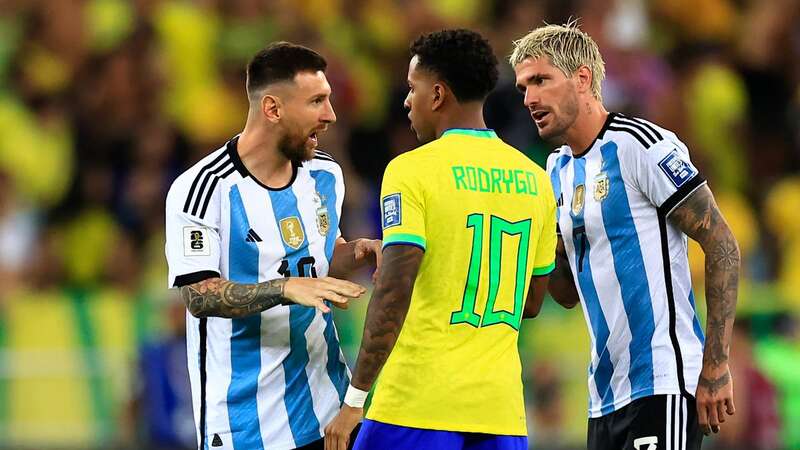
(677, 170)
(391, 207)
(195, 241)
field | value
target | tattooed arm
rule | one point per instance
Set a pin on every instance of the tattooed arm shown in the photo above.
(386, 312)
(217, 297)
(562, 284)
(699, 217)
(385, 316)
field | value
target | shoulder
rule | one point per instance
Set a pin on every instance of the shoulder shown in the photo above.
(323, 161)
(192, 190)
(560, 153)
(633, 134)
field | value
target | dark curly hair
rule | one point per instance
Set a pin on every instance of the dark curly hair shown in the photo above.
(462, 58)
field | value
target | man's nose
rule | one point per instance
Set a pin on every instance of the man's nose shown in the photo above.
(531, 98)
(328, 116)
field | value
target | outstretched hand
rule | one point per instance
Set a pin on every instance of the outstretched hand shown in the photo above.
(314, 291)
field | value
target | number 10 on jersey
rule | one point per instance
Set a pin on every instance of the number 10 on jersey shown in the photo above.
(497, 228)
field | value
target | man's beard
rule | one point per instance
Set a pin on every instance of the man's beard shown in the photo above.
(294, 148)
(569, 113)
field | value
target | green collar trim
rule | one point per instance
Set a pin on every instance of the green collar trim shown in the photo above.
(474, 132)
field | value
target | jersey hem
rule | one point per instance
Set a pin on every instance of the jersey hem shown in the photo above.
(442, 426)
(546, 270)
(194, 277)
(598, 412)
(404, 238)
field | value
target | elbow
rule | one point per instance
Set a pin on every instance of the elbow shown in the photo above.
(531, 312)
(194, 302)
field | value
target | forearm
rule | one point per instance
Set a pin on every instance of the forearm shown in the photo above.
(722, 284)
(562, 284)
(699, 217)
(386, 313)
(217, 297)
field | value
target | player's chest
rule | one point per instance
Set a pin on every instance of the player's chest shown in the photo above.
(301, 219)
(593, 193)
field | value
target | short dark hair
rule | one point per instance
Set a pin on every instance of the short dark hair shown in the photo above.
(462, 58)
(281, 61)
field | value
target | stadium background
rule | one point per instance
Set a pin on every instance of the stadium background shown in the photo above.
(104, 102)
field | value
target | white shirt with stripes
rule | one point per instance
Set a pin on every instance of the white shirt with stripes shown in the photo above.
(275, 379)
(629, 262)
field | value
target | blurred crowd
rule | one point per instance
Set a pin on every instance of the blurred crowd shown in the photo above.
(104, 102)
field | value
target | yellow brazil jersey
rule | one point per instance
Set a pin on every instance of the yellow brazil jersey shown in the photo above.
(485, 216)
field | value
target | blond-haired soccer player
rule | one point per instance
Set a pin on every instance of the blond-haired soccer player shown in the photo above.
(628, 195)
(469, 241)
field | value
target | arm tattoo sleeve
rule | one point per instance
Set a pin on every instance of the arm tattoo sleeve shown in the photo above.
(216, 297)
(699, 217)
(386, 312)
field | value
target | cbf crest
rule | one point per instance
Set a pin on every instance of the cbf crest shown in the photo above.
(292, 232)
(578, 199)
(601, 187)
(323, 218)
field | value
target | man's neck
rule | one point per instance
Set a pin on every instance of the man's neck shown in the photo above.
(591, 119)
(258, 150)
(464, 116)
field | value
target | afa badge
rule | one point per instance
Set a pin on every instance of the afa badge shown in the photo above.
(578, 199)
(600, 187)
(323, 219)
(391, 210)
(292, 232)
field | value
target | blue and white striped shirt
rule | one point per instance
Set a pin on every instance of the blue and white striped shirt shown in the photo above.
(275, 379)
(629, 262)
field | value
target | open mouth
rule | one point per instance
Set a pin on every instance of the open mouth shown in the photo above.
(539, 115)
(313, 138)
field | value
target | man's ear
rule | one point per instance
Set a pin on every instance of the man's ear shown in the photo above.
(271, 108)
(583, 79)
(439, 93)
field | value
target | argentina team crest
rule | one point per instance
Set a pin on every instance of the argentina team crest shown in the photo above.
(600, 187)
(323, 218)
(292, 232)
(578, 199)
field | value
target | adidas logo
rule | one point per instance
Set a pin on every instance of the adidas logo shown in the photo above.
(252, 236)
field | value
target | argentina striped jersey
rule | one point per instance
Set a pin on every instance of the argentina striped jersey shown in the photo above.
(275, 379)
(629, 262)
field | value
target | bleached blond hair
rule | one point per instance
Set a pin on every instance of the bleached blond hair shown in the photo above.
(567, 47)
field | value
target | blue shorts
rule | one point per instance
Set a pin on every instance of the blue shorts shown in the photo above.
(380, 436)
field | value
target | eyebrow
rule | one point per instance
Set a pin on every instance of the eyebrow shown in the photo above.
(533, 77)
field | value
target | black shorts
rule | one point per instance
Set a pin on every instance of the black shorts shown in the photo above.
(662, 422)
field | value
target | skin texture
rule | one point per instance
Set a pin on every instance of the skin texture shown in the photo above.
(699, 217)
(425, 96)
(303, 109)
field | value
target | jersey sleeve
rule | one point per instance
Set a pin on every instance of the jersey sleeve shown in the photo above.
(664, 174)
(193, 244)
(545, 260)
(402, 206)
